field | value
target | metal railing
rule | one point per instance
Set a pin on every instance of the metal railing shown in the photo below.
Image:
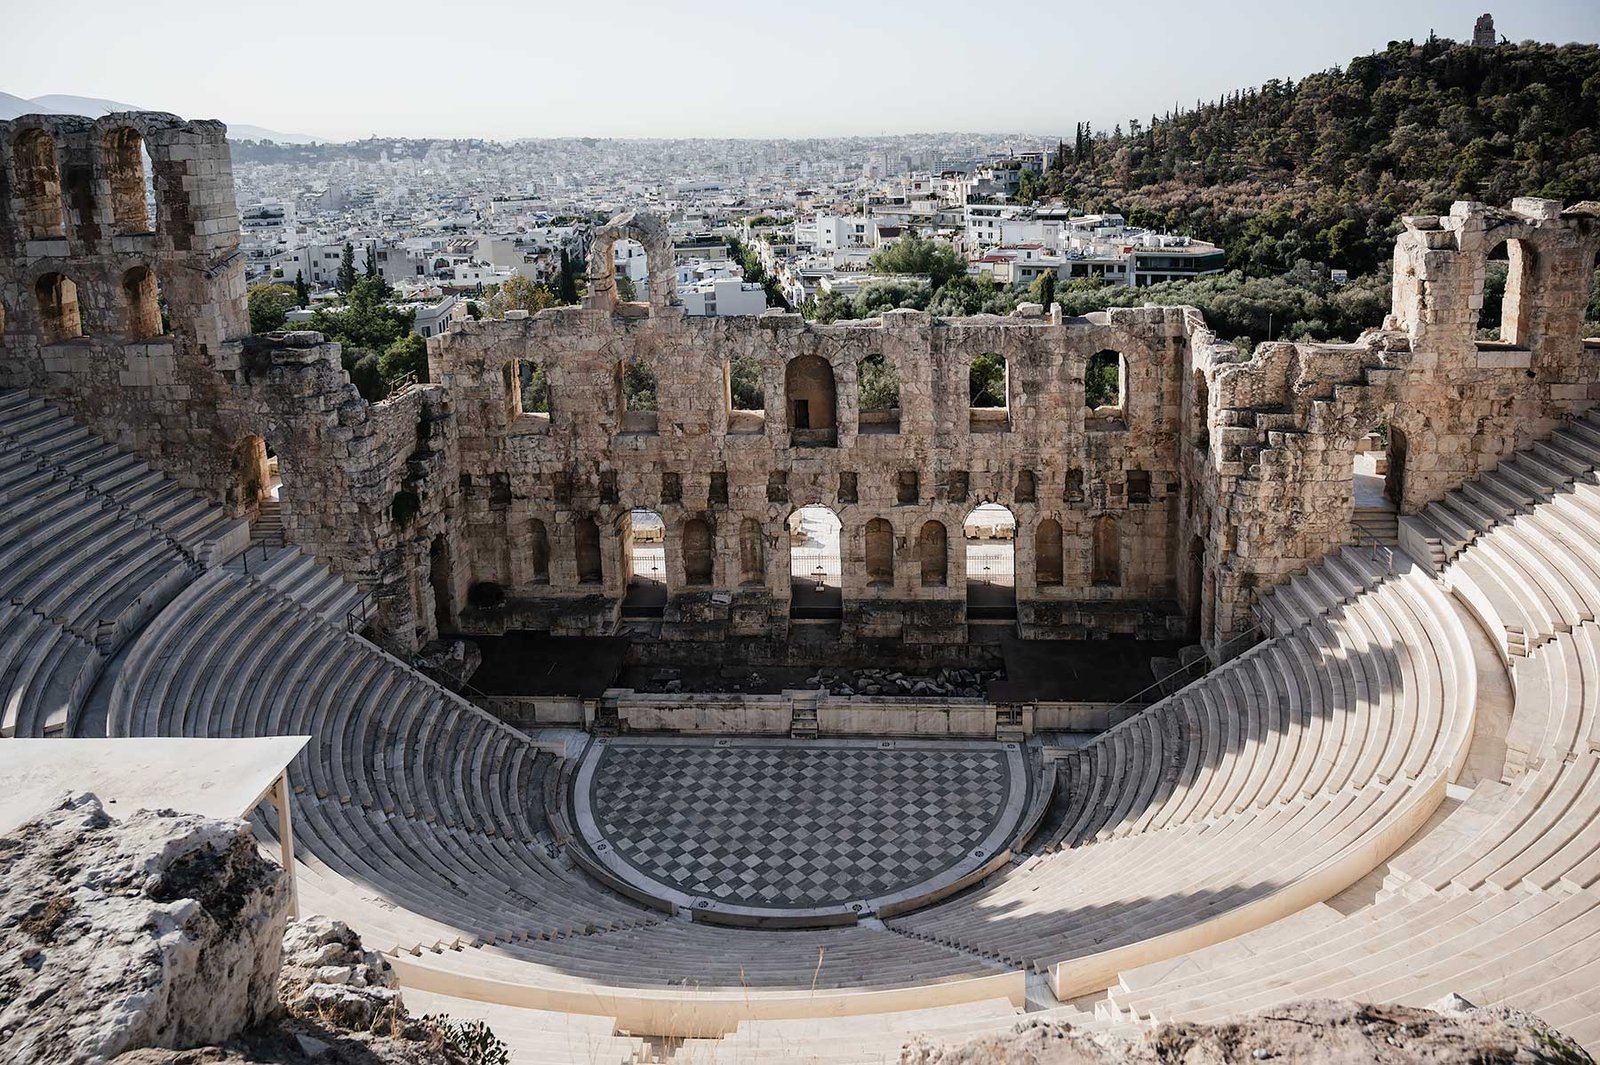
(355, 618)
(265, 548)
(401, 385)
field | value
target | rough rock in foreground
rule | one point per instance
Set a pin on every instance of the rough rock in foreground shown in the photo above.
(160, 940)
(1302, 1033)
(162, 929)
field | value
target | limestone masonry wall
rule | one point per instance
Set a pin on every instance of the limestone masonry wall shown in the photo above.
(1208, 477)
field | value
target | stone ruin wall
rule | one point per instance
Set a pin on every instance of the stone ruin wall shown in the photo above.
(1247, 460)
(696, 460)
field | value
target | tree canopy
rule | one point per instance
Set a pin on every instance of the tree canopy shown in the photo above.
(1323, 169)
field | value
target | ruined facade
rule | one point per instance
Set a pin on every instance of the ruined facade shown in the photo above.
(1204, 477)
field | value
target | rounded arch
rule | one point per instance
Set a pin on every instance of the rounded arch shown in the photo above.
(877, 395)
(60, 316)
(752, 552)
(141, 304)
(1105, 381)
(815, 568)
(643, 537)
(250, 476)
(699, 552)
(649, 231)
(128, 177)
(990, 533)
(811, 400)
(1047, 553)
(933, 554)
(1504, 291)
(879, 545)
(38, 185)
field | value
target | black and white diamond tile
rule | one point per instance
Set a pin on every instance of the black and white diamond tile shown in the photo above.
(787, 826)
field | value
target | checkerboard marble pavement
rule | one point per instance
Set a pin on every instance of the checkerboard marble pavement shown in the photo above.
(790, 826)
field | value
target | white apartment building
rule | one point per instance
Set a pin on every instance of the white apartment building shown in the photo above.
(722, 297)
(433, 318)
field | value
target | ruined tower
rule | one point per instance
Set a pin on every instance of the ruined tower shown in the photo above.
(1483, 35)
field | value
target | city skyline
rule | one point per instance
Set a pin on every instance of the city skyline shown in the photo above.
(633, 69)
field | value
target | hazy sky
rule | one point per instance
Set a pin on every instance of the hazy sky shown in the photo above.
(346, 69)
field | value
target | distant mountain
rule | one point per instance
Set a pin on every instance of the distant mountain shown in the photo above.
(61, 104)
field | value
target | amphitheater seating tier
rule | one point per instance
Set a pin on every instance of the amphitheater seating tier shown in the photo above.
(1192, 850)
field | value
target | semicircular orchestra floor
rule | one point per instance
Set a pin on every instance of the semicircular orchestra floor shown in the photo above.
(783, 830)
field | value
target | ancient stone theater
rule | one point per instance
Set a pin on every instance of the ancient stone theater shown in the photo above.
(1376, 777)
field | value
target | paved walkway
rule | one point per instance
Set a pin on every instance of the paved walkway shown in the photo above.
(785, 828)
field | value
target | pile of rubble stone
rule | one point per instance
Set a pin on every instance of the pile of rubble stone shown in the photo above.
(946, 684)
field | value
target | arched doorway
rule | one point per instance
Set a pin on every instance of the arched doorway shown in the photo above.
(811, 401)
(253, 485)
(815, 588)
(644, 560)
(990, 534)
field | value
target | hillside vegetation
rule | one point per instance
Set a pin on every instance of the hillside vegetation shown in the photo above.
(1321, 170)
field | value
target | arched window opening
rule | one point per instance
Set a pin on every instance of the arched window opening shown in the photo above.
(1201, 399)
(810, 400)
(1105, 382)
(644, 560)
(1505, 307)
(440, 580)
(1047, 553)
(990, 532)
(933, 554)
(636, 396)
(880, 553)
(815, 589)
(1106, 568)
(746, 395)
(38, 185)
(533, 389)
(141, 304)
(586, 549)
(752, 553)
(58, 308)
(539, 553)
(699, 553)
(988, 389)
(877, 395)
(128, 173)
(632, 267)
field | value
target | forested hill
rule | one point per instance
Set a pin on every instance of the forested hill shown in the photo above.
(1323, 168)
